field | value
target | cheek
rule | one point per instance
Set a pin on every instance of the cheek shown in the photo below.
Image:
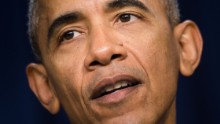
(65, 74)
(67, 61)
(156, 52)
(67, 82)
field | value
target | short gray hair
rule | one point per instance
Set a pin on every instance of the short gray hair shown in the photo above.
(172, 11)
(33, 19)
(171, 7)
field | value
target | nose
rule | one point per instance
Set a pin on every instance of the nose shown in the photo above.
(103, 49)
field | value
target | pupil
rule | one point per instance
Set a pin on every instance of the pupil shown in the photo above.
(125, 18)
(69, 35)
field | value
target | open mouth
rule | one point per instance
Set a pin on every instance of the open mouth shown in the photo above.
(110, 87)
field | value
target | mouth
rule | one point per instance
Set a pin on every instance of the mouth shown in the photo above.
(109, 86)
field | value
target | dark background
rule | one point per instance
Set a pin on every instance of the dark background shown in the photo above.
(198, 96)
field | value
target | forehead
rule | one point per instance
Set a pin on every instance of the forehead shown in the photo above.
(50, 10)
(57, 7)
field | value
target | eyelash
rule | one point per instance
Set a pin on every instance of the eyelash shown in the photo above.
(62, 38)
(130, 14)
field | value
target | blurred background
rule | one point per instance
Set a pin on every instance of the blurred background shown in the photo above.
(198, 99)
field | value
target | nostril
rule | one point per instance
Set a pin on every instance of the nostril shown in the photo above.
(94, 63)
(115, 56)
(104, 62)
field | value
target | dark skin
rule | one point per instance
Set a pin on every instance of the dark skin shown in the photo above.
(109, 62)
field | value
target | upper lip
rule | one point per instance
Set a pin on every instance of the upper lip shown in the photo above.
(101, 86)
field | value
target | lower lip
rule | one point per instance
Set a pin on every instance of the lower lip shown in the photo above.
(117, 96)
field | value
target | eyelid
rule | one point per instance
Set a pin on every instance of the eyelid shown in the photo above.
(74, 36)
(138, 15)
(69, 28)
(132, 17)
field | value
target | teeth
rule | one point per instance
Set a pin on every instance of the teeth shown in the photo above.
(124, 84)
(117, 86)
(109, 88)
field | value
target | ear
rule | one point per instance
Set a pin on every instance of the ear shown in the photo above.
(190, 46)
(40, 85)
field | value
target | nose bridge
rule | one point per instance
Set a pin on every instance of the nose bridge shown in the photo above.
(99, 38)
(100, 31)
(103, 46)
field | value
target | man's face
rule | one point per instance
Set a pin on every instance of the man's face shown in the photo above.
(110, 61)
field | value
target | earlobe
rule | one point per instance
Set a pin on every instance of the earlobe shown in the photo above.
(190, 46)
(40, 85)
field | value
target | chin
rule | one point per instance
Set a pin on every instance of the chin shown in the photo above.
(130, 118)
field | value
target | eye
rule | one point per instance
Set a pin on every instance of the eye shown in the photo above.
(69, 35)
(127, 17)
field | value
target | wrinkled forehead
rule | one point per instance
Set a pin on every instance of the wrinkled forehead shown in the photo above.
(50, 10)
(59, 6)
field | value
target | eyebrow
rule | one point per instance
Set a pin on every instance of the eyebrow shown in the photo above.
(67, 18)
(118, 4)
